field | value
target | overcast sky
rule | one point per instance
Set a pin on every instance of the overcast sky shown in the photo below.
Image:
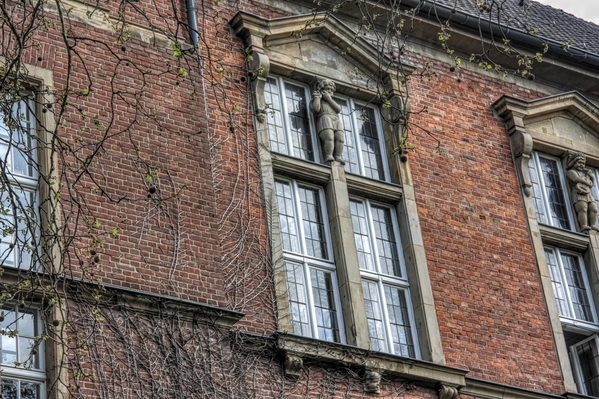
(585, 9)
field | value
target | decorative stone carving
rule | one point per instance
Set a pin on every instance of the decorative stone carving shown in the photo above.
(372, 381)
(581, 182)
(521, 143)
(259, 68)
(293, 366)
(328, 122)
(447, 392)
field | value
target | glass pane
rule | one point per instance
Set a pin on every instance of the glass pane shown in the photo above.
(595, 192)
(537, 192)
(313, 223)
(374, 314)
(30, 390)
(299, 122)
(370, 145)
(297, 299)
(399, 321)
(577, 288)
(324, 305)
(554, 192)
(10, 389)
(350, 152)
(556, 280)
(588, 357)
(385, 239)
(274, 117)
(362, 235)
(287, 222)
(15, 135)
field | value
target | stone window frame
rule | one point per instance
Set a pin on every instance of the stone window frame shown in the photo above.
(522, 119)
(261, 36)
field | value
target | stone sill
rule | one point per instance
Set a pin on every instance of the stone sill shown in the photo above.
(411, 369)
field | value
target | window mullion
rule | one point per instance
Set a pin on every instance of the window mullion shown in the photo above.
(297, 204)
(567, 200)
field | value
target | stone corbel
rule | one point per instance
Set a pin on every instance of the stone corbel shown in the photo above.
(448, 392)
(258, 71)
(372, 381)
(293, 366)
(521, 143)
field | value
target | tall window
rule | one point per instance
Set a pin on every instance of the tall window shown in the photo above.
(549, 191)
(585, 358)
(292, 131)
(309, 265)
(384, 281)
(18, 187)
(22, 354)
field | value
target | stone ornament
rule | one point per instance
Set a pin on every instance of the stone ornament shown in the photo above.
(581, 182)
(293, 366)
(448, 392)
(372, 381)
(328, 123)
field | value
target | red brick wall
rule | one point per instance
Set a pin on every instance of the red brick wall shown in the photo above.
(489, 301)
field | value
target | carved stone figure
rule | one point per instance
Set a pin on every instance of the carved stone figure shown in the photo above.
(372, 381)
(581, 182)
(328, 123)
(293, 366)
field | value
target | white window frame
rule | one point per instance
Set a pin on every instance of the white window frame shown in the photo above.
(309, 262)
(570, 320)
(281, 82)
(20, 374)
(28, 184)
(545, 201)
(575, 359)
(382, 280)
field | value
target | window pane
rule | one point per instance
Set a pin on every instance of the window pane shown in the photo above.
(274, 117)
(287, 222)
(10, 389)
(537, 192)
(369, 141)
(374, 314)
(556, 280)
(324, 305)
(361, 235)
(313, 223)
(554, 192)
(350, 152)
(588, 357)
(577, 288)
(399, 320)
(30, 390)
(297, 299)
(385, 239)
(299, 122)
(18, 149)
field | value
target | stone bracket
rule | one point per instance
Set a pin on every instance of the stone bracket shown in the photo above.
(448, 392)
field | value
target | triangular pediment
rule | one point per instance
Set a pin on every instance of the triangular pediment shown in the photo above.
(569, 120)
(321, 45)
